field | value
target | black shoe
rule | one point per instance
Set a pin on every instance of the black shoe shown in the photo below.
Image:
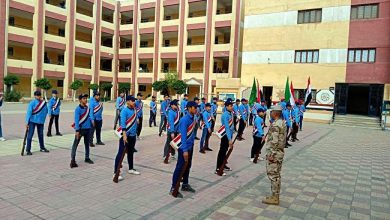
(288, 144)
(293, 140)
(209, 149)
(29, 153)
(179, 195)
(49, 134)
(296, 139)
(227, 168)
(202, 151)
(135, 150)
(91, 145)
(88, 161)
(73, 164)
(196, 138)
(44, 150)
(187, 188)
(100, 143)
(58, 134)
(159, 134)
(285, 146)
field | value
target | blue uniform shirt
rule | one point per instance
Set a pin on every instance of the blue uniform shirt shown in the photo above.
(225, 118)
(258, 127)
(235, 109)
(139, 105)
(173, 120)
(264, 107)
(36, 112)
(256, 107)
(206, 119)
(82, 118)
(54, 106)
(283, 104)
(183, 106)
(202, 106)
(187, 143)
(214, 108)
(243, 112)
(287, 117)
(153, 107)
(96, 110)
(131, 127)
(163, 109)
(295, 112)
(302, 109)
(120, 103)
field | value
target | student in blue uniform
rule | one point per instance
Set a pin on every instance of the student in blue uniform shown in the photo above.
(302, 110)
(295, 123)
(185, 151)
(236, 113)
(153, 112)
(183, 105)
(214, 109)
(287, 118)
(243, 110)
(54, 106)
(264, 107)
(83, 124)
(227, 139)
(202, 105)
(120, 103)
(96, 111)
(163, 113)
(198, 117)
(35, 117)
(172, 126)
(256, 106)
(258, 134)
(206, 129)
(139, 106)
(128, 139)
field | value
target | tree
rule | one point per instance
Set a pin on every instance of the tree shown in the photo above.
(10, 81)
(43, 84)
(76, 85)
(93, 87)
(161, 86)
(170, 82)
(124, 87)
(105, 87)
(179, 86)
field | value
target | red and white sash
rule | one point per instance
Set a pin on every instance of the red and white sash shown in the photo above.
(140, 106)
(175, 121)
(97, 108)
(202, 124)
(129, 124)
(83, 118)
(222, 131)
(39, 107)
(176, 142)
(121, 103)
(56, 104)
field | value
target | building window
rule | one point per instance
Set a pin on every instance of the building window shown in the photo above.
(306, 56)
(60, 59)
(46, 29)
(10, 51)
(61, 32)
(60, 83)
(309, 16)
(188, 66)
(361, 55)
(364, 11)
(141, 88)
(144, 44)
(11, 21)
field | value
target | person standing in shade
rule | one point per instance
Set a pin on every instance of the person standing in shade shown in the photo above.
(163, 113)
(265, 108)
(202, 105)
(139, 106)
(120, 103)
(96, 111)
(185, 151)
(275, 154)
(83, 124)
(227, 139)
(214, 109)
(35, 117)
(183, 105)
(128, 139)
(286, 115)
(172, 126)
(197, 117)
(236, 113)
(54, 106)
(256, 106)
(302, 110)
(243, 110)
(258, 134)
(206, 129)
(1, 104)
(153, 112)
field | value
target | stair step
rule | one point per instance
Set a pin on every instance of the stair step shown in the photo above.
(353, 126)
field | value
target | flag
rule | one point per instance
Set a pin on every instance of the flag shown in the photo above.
(287, 92)
(252, 98)
(259, 92)
(292, 99)
(308, 96)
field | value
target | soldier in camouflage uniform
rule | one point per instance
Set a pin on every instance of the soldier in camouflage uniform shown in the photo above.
(275, 153)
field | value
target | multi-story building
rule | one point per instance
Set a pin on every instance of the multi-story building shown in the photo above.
(135, 41)
(344, 46)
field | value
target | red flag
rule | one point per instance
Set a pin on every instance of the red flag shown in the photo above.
(292, 98)
(259, 92)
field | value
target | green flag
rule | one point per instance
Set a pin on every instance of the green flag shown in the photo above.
(287, 92)
(252, 98)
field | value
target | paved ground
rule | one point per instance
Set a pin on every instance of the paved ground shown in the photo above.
(332, 173)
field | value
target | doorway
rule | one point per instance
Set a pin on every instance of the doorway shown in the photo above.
(358, 98)
(267, 91)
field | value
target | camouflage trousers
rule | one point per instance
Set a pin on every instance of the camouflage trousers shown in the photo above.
(274, 167)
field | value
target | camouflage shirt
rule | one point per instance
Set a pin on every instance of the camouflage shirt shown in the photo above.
(276, 139)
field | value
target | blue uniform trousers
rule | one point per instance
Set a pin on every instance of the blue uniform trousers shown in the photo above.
(179, 167)
(130, 152)
(31, 129)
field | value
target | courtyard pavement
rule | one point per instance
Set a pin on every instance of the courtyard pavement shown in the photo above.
(331, 173)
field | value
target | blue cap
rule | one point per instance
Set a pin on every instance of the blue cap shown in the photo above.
(262, 100)
(228, 102)
(207, 105)
(237, 100)
(192, 104)
(196, 99)
(243, 100)
(37, 93)
(260, 110)
(130, 98)
(173, 102)
(139, 94)
(215, 98)
(95, 93)
(81, 96)
(54, 91)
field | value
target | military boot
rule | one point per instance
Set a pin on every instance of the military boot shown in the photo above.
(271, 200)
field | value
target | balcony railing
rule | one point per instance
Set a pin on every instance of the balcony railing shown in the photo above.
(125, 69)
(170, 70)
(144, 70)
(21, 26)
(60, 4)
(195, 71)
(59, 62)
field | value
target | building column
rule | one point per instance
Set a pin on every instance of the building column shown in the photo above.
(97, 39)
(237, 39)
(134, 62)
(70, 30)
(209, 29)
(117, 19)
(39, 44)
(181, 41)
(157, 43)
(3, 41)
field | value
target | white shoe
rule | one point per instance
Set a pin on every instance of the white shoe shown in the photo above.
(120, 178)
(173, 157)
(252, 159)
(2, 139)
(261, 159)
(223, 174)
(134, 172)
(139, 138)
